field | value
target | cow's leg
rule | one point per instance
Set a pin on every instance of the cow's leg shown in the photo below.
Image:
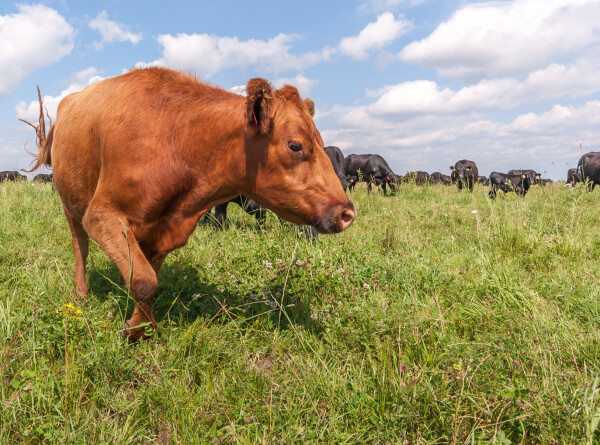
(112, 232)
(384, 188)
(220, 214)
(81, 241)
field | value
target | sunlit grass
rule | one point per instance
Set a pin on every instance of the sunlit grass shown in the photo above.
(438, 317)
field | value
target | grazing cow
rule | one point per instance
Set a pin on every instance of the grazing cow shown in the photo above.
(43, 177)
(249, 206)
(520, 184)
(420, 177)
(464, 174)
(589, 165)
(484, 181)
(337, 160)
(534, 177)
(373, 169)
(439, 178)
(12, 175)
(546, 181)
(574, 176)
(259, 212)
(139, 158)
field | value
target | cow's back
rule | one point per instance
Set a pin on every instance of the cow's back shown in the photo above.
(337, 159)
(121, 137)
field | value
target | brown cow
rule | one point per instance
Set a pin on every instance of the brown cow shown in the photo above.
(138, 159)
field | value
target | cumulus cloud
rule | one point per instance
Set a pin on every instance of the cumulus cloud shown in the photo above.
(426, 96)
(496, 39)
(300, 81)
(111, 31)
(78, 81)
(547, 141)
(34, 37)
(374, 36)
(207, 54)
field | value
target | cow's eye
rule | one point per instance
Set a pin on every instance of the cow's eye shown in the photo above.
(295, 147)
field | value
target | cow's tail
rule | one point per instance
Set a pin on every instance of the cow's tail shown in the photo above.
(43, 140)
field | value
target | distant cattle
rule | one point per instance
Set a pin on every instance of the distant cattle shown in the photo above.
(546, 181)
(574, 176)
(43, 177)
(420, 177)
(12, 175)
(372, 169)
(520, 184)
(260, 213)
(249, 206)
(464, 174)
(139, 158)
(534, 177)
(484, 181)
(589, 165)
(439, 178)
(337, 160)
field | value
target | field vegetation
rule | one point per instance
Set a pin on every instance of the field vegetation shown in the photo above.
(438, 317)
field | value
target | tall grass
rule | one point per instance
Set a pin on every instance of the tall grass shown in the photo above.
(438, 317)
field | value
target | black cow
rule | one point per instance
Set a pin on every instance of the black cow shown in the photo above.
(546, 181)
(589, 164)
(259, 212)
(464, 174)
(337, 160)
(249, 206)
(534, 177)
(11, 176)
(439, 178)
(484, 181)
(574, 176)
(520, 184)
(373, 169)
(420, 177)
(43, 178)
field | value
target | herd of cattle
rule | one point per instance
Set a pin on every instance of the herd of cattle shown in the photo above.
(373, 169)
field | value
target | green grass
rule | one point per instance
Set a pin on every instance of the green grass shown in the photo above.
(423, 323)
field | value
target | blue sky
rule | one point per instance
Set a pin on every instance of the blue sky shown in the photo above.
(508, 84)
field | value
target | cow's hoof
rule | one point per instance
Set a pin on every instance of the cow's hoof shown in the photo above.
(134, 334)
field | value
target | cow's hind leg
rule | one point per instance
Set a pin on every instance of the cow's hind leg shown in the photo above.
(81, 241)
(111, 231)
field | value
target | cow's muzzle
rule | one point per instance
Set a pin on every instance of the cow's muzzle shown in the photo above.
(338, 220)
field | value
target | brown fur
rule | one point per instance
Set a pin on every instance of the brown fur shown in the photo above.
(139, 158)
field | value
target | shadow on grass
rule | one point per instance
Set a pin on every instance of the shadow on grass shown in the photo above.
(184, 296)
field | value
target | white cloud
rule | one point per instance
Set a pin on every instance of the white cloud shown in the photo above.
(208, 54)
(301, 82)
(495, 39)
(111, 31)
(387, 5)
(374, 36)
(34, 37)
(547, 141)
(30, 111)
(426, 96)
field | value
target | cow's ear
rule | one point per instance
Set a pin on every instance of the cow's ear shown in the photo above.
(311, 106)
(259, 103)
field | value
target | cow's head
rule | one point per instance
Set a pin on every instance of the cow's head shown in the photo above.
(287, 169)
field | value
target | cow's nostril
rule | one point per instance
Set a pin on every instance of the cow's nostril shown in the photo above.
(346, 218)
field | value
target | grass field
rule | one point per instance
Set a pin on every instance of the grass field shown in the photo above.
(438, 317)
